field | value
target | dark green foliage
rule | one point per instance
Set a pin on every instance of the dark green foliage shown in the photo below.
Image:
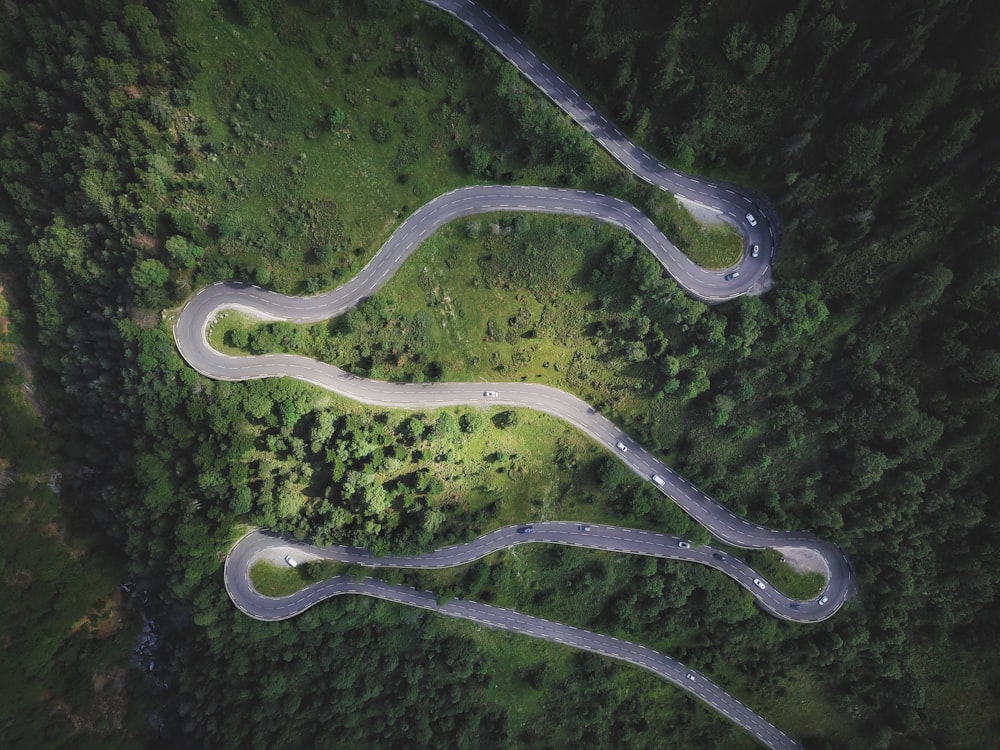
(380, 130)
(397, 677)
(68, 631)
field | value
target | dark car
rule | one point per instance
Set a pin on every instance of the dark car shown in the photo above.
(718, 556)
(526, 530)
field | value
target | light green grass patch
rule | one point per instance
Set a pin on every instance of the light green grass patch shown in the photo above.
(783, 577)
(714, 246)
(276, 580)
(453, 315)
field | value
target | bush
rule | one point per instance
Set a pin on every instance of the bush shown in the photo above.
(380, 130)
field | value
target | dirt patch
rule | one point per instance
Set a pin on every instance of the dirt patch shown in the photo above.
(146, 242)
(4, 320)
(704, 215)
(803, 560)
(105, 621)
(23, 361)
(145, 318)
(18, 579)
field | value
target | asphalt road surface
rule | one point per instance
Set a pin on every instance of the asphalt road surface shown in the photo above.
(191, 328)
(266, 544)
(729, 201)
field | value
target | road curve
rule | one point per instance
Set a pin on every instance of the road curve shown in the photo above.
(190, 334)
(265, 544)
(732, 204)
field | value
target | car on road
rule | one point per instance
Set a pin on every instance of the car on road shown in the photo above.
(794, 605)
(733, 275)
(755, 252)
(718, 556)
(690, 676)
(621, 446)
(657, 480)
(823, 600)
(759, 584)
(751, 220)
(684, 545)
(291, 561)
(581, 527)
(491, 394)
(526, 530)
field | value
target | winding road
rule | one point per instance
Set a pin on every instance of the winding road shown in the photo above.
(191, 329)
(268, 545)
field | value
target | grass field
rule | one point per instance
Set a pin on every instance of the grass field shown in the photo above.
(276, 580)
(782, 576)
(306, 191)
(317, 135)
(714, 246)
(455, 312)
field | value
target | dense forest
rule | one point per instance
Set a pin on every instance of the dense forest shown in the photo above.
(147, 149)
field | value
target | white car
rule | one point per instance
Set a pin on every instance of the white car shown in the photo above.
(491, 394)
(759, 584)
(684, 545)
(690, 676)
(621, 446)
(751, 220)
(755, 252)
(823, 600)
(657, 480)
(291, 561)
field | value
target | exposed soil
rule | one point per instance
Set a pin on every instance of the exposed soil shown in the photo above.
(705, 216)
(805, 560)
